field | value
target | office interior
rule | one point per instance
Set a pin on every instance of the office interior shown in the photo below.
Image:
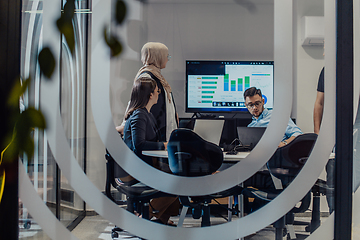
(228, 30)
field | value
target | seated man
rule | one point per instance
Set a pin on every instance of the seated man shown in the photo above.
(261, 116)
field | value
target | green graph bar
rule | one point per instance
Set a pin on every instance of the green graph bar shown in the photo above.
(208, 87)
(208, 82)
(207, 96)
(233, 85)
(240, 84)
(247, 82)
(206, 101)
(226, 82)
(207, 91)
(209, 77)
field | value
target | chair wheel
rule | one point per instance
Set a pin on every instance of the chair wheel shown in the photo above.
(235, 210)
(285, 232)
(197, 212)
(27, 224)
(114, 235)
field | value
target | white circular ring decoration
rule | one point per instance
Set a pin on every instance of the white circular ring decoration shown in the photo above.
(106, 208)
(242, 227)
(38, 210)
(100, 79)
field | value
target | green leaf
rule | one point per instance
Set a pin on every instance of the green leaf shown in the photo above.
(113, 43)
(47, 62)
(28, 146)
(69, 10)
(32, 118)
(17, 91)
(65, 26)
(120, 11)
(22, 138)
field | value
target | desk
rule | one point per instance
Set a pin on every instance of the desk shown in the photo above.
(227, 157)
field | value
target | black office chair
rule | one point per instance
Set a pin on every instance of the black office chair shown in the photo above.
(285, 164)
(138, 195)
(191, 156)
(297, 154)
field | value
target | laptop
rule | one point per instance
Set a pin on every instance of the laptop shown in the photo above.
(210, 130)
(250, 136)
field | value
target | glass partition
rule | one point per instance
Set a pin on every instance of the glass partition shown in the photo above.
(42, 169)
(246, 197)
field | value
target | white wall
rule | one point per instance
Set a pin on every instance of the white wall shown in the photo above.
(204, 30)
(213, 30)
(309, 61)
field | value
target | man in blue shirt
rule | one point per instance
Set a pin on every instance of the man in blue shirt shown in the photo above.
(261, 116)
(254, 102)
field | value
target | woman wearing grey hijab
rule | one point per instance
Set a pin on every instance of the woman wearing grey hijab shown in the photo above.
(154, 56)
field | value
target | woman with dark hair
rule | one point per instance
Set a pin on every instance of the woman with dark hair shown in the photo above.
(141, 133)
(154, 56)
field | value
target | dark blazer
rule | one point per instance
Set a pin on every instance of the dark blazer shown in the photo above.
(159, 109)
(141, 133)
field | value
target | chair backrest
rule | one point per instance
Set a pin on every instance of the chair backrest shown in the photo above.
(289, 160)
(298, 150)
(113, 170)
(190, 155)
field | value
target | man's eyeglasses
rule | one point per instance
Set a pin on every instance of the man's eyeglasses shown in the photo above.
(159, 90)
(168, 56)
(257, 104)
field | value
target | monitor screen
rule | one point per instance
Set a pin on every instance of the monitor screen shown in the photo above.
(218, 86)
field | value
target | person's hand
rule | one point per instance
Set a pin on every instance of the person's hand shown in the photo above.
(120, 129)
(165, 144)
(282, 144)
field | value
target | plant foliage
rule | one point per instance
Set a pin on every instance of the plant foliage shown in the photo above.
(47, 62)
(111, 39)
(65, 24)
(20, 137)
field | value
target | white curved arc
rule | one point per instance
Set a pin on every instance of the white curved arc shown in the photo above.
(99, 202)
(182, 185)
(236, 226)
(87, 191)
(115, 145)
(120, 217)
(29, 38)
(325, 231)
(27, 56)
(329, 105)
(83, 186)
(78, 54)
(39, 211)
